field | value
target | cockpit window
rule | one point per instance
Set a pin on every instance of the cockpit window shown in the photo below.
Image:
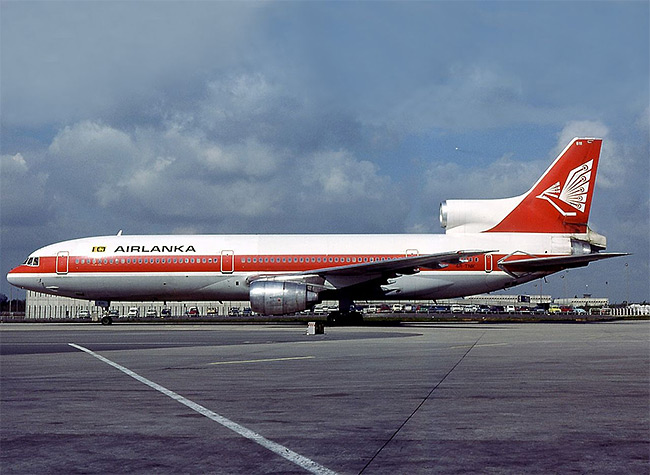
(31, 261)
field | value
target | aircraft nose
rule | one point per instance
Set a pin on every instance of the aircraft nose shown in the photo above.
(11, 277)
(17, 279)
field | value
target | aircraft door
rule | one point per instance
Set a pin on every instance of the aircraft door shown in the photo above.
(412, 253)
(227, 262)
(62, 258)
(488, 263)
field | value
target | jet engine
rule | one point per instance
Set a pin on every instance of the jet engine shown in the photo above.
(270, 297)
(475, 216)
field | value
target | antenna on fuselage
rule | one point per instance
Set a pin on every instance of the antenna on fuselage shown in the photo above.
(119, 233)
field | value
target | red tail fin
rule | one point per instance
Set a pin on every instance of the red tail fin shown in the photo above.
(560, 201)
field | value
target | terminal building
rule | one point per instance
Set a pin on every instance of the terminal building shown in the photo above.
(46, 306)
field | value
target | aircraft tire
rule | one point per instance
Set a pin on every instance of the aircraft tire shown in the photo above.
(340, 319)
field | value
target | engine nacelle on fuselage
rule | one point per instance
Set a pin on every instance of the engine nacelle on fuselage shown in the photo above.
(475, 216)
(270, 297)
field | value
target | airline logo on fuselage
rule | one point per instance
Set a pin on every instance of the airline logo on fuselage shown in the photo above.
(156, 248)
(575, 190)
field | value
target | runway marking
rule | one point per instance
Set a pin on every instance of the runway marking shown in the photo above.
(265, 360)
(274, 447)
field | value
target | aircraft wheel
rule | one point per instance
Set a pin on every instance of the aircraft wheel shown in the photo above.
(333, 318)
(350, 318)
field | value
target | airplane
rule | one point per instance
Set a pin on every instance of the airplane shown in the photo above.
(488, 245)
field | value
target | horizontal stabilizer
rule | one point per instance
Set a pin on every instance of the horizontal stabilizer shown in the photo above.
(554, 264)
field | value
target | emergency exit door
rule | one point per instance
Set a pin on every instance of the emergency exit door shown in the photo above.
(227, 262)
(62, 258)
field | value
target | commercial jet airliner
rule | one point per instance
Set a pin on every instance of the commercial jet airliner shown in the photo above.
(488, 245)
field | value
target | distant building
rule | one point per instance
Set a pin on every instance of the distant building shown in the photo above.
(583, 302)
(502, 300)
(46, 306)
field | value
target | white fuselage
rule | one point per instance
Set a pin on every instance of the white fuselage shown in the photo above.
(220, 267)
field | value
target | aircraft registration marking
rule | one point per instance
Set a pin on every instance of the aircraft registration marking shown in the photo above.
(264, 360)
(300, 460)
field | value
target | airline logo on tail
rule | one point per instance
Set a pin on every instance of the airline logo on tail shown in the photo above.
(575, 190)
(570, 202)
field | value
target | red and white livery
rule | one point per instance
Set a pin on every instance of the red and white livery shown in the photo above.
(488, 245)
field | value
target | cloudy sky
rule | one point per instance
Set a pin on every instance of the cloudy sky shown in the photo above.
(285, 117)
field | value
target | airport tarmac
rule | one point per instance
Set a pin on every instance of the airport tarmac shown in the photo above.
(437, 398)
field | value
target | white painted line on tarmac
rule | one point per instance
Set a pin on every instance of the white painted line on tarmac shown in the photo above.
(265, 360)
(280, 450)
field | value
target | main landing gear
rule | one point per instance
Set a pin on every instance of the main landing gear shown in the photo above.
(346, 315)
(106, 317)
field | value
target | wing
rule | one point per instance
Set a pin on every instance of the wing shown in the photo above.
(354, 274)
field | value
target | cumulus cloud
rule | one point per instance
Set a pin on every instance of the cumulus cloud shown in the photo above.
(182, 171)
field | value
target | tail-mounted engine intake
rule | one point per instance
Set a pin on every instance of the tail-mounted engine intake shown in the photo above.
(270, 297)
(474, 216)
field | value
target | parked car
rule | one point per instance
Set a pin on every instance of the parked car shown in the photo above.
(152, 313)
(85, 314)
(192, 312)
(165, 313)
(439, 309)
(133, 312)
